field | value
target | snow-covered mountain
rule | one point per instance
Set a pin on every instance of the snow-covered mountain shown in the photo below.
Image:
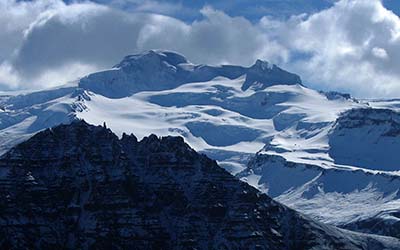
(79, 186)
(325, 154)
(161, 70)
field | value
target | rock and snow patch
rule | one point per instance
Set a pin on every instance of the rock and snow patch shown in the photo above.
(230, 113)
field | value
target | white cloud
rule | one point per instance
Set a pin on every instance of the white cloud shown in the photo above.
(15, 18)
(218, 38)
(8, 77)
(379, 53)
(150, 6)
(353, 46)
(95, 35)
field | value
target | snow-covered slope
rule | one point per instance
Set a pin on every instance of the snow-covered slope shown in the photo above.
(25, 114)
(325, 154)
(79, 186)
(159, 70)
(338, 196)
(374, 136)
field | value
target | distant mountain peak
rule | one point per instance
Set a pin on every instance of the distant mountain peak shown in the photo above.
(263, 65)
(263, 74)
(153, 56)
(161, 70)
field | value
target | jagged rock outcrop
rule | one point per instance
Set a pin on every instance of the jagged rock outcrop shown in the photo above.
(263, 74)
(367, 138)
(79, 186)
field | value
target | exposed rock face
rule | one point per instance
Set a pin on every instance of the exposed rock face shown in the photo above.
(334, 95)
(388, 226)
(367, 138)
(81, 187)
(357, 118)
(263, 74)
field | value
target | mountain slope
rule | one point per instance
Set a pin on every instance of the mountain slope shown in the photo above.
(367, 138)
(305, 139)
(363, 139)
(341, 197)
(80, 186)
(160, 70)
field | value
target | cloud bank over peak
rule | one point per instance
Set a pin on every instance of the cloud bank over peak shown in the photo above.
(353, 46)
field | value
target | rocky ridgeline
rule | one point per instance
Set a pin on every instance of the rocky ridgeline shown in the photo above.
(356, 118)
(367, 138)
(79, 186)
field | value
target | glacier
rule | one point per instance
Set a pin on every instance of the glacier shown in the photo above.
(325, 154)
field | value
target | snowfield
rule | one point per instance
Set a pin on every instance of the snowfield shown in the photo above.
(327, 155)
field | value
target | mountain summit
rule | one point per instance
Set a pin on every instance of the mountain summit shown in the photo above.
(313, 147)
(160, 70)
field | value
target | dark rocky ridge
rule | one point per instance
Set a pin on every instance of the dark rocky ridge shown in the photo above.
(367, 138)
(356, 118)
(81, 187)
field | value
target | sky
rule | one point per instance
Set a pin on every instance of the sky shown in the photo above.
(351, 46)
